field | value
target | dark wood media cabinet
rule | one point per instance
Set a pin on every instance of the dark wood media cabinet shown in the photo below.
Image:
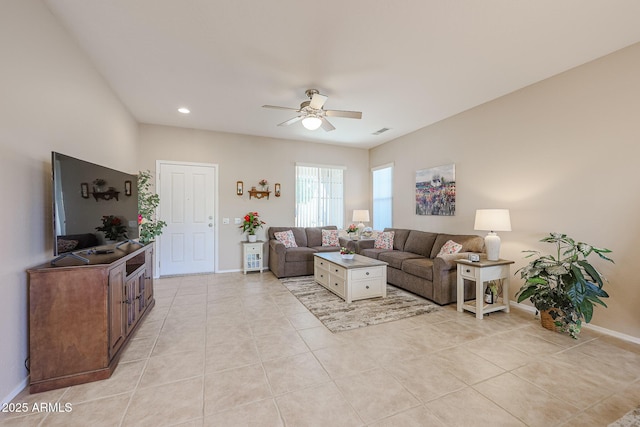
(82, 315)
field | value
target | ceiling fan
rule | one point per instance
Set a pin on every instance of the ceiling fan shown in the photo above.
(313, 115)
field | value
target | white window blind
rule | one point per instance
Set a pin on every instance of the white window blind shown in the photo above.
(319, 196)
(382, 197)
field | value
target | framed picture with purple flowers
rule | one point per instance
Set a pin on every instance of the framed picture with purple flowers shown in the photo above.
(436, 191)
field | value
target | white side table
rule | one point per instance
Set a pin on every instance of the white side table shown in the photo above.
(480, 272)
(252, 256)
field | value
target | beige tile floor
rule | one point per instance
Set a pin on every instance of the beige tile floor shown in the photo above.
(236, 350)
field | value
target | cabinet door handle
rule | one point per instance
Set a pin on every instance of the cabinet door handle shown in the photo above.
(367, 273)
(468, 271)
(367, 286)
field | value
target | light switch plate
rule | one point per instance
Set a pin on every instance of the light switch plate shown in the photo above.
(237, 221)
(225, 220)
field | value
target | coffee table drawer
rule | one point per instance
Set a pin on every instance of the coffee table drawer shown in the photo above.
(366, 289)
(321, 263)
(321, 275)
(336, 285)
(366, 273)
(338, 271)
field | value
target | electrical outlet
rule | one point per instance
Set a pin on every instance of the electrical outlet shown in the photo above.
(225, 220)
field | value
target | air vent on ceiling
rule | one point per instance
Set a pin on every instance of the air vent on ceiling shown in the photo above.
(378, 132)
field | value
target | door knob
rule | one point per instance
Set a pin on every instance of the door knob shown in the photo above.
(210, 225)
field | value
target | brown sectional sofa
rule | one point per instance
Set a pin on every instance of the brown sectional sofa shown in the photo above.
(415, 266)
(287, 262)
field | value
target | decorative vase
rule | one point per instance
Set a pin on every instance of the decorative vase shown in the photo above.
(252, 238)
(347, 256)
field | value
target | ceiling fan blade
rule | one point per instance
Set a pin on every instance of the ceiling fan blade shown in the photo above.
(328, 127)
(291, 121)
(317, 101)
(346, 114)
(280, 108)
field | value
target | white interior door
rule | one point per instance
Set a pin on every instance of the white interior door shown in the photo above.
(187, 205)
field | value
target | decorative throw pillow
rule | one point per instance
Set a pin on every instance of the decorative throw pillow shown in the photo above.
(384, 240)
(330, 238)
(287, 239)
(66, 245)
(449, 248)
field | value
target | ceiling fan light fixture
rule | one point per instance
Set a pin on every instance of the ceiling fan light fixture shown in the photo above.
(311, 122)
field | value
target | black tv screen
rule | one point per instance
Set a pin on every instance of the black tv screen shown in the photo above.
(87, 196)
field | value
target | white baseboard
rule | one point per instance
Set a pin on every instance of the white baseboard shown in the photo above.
(15, 391)
(600, 329)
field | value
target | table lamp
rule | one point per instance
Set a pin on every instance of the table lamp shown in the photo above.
(492, 220)
(361, 216)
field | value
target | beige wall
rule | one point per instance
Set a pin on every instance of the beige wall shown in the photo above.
(249, 159)
(562, 155)
(52, 99)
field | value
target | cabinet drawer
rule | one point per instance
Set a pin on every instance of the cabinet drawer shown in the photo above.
(321, 263)
(321, 276)
(337, 271)
(467, 272)
(366, 289)
(253, 249)
(366, 273)
(336, 285)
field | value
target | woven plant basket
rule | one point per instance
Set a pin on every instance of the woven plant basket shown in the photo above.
(547, 321)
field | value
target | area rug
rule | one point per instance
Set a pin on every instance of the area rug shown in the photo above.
(338, 316)
(630, 419)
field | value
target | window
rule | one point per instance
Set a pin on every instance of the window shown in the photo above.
(319, 196)
(382, 197)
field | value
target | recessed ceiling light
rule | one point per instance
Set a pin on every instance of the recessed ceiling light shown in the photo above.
(184, 110)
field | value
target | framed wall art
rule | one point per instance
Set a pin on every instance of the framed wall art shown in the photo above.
(239, 188)
(127, 188)
(436, 191)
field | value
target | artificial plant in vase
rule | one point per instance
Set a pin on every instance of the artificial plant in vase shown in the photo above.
(112, 227)
(250, 224)
(148, 201)
(564, 283)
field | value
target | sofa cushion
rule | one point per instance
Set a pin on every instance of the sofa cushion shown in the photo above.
(396, 258)
(298, 232)
(399, 238)
(299, 254)
(450, 248)
(314, 235)
(420, 242)
(330, 238)
(384, 240)
(373, 253)
(469, 242)
(326, 248)
(420, 267)
(287, 239)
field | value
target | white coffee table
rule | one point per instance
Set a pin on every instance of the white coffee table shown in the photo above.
(351, 279)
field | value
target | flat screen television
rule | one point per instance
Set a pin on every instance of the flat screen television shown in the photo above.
(84, 194)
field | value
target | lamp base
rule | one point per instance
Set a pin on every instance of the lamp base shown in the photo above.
(492, 245)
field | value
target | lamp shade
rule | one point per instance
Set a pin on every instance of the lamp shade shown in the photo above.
(493, 220)
(311, 122)
(360, 215)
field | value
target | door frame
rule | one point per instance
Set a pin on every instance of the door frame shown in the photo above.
(215, 167)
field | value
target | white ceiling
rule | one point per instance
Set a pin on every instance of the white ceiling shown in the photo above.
(405, 64)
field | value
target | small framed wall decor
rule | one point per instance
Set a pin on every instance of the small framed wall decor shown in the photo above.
(127, 188)
(239, 188)
(84, 190)
(277, 189)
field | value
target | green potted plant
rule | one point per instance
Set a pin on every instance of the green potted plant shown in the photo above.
(148, 201)
(112, 227)
(250, 224)
(564, 285)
